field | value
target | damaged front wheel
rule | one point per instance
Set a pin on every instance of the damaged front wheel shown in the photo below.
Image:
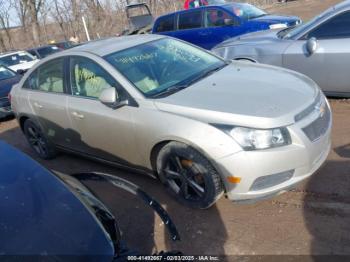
(188, 176)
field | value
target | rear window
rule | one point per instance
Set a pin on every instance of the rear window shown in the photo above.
(45, 51)
(166, 24)
(190, 20)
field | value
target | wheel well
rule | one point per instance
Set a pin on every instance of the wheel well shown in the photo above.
(154, 153)
(245, 59)
(22, 120)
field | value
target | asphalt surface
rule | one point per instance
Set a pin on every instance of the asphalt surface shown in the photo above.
(312, 219)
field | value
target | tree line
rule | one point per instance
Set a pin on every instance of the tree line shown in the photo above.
(30, 23)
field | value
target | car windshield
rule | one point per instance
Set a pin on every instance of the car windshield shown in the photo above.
(156, 67)
(245, 11)
(45, 51)
(291, 32)
(15, 59)
(5, 73)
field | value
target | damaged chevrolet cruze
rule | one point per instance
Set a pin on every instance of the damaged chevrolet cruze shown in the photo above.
(204, 126)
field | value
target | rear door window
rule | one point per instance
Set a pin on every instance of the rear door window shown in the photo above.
(51, 76)
(166, 24)
(189, 20)
(32, 81)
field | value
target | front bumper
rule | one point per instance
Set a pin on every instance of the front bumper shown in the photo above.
(303, 157)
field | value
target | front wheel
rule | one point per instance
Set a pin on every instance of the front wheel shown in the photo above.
(188, 176)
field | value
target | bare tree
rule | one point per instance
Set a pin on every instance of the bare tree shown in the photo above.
(33, 7)
(5, 20)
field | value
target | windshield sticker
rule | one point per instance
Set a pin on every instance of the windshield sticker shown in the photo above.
(136, 58)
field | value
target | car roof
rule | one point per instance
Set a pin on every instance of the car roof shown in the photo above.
(42, 47)
(114, 44)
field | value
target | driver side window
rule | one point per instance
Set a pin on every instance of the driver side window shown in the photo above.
(336, 27)
(217, 17)
(88, 79)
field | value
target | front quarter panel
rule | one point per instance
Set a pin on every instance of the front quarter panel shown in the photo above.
(266, 53)
(153, 126)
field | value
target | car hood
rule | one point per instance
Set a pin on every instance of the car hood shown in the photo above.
(276, 19)
(6, 85)
(41, 216)
(244, 94)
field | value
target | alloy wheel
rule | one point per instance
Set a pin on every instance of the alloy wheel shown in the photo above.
(184, 178)
(37, 141)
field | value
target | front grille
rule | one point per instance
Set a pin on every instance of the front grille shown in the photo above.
(264, 182)
(318, 127)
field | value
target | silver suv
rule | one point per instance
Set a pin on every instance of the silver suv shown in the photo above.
(205, 127)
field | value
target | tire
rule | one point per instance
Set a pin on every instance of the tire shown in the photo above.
(188, 176)
(38, 141)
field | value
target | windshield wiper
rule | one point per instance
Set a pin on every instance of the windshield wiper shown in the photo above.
(206, 74)
(170, 90)
(259, 16)
(175, 88)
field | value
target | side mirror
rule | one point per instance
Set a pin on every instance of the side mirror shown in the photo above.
(311, 45)
(20, 71)
(110, 98)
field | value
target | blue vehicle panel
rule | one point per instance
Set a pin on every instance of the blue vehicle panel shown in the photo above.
(8, 78)
(208, 26)
(41, 216)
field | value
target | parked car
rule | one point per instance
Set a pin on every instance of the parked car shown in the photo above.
(208, 26)
(140, 19)
(44, 51)
(65, 44)
(319, 49)
(19, 61)
(54, 216)
(7, 79)
(204, 126)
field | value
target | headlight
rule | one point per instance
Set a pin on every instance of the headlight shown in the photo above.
(257, 139)
(278, 26)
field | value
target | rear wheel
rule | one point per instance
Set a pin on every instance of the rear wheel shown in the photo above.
(188, 176)
(37, 140)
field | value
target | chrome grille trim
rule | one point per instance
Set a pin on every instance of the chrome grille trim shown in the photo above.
(318, 127)
(308, 110)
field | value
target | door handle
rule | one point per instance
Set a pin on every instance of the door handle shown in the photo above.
(38, 105)
(78, 115)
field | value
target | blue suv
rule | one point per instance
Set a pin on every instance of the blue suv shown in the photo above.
(210, 25)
